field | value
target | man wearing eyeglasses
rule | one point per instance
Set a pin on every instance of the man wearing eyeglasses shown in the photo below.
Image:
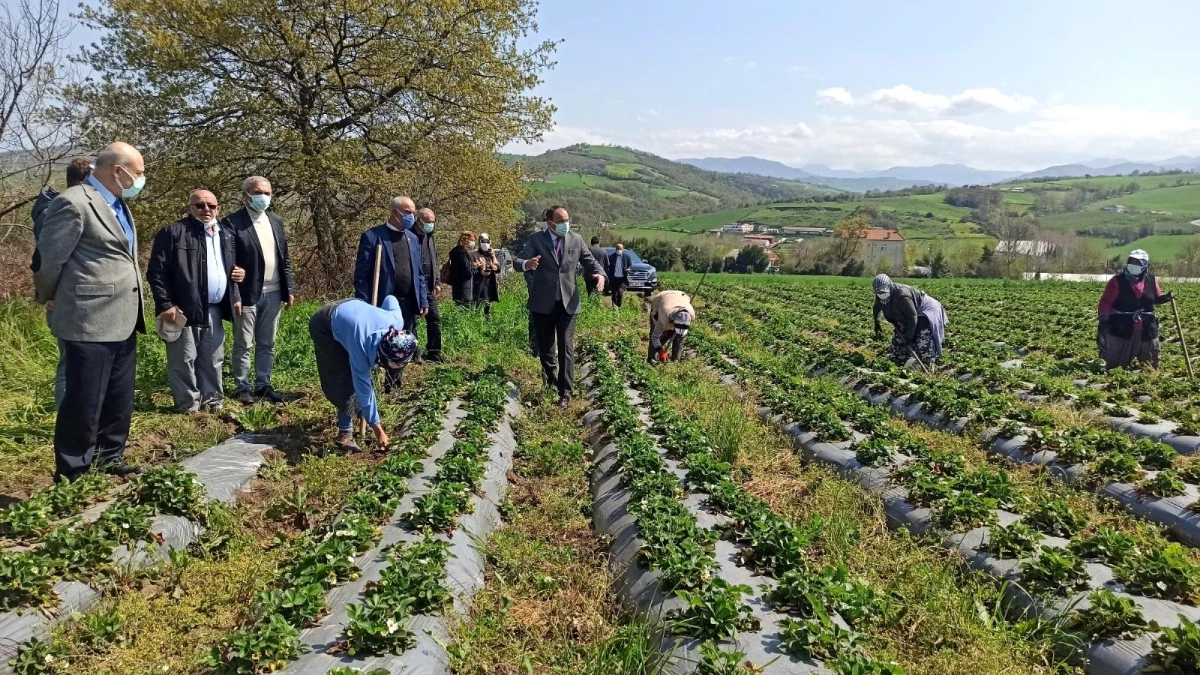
(193, 279)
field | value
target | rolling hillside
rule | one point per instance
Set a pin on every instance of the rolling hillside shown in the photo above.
(605, 184)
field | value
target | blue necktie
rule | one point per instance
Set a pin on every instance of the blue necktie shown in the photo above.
(123, 218)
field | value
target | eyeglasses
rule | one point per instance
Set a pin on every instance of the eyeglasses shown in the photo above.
(210, 207)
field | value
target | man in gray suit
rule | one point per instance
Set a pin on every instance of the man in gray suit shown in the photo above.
(552, 257)
(89, 276)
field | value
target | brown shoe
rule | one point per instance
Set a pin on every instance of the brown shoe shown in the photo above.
(345, 441)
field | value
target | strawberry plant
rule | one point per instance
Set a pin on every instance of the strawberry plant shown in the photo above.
(965, 510)
(329, 564)
(1106, 545)
(1054, 572)
(1109, 616)
(416, 572)
(1164, 572)
(357, 530)
(35, 657)
(299, 605)
(26, 519)
(704, 469)
(1165, 483)
(715, 611)
(266, 646)
(169, 490)
(817, 638)
(25, 580)
(379, 626)
(372, 503)
(1055, 517)
(436, 510)
(125, 523)
(714, 661)
(804, 593)
(1153, 454)
(1013, 541)
(75, 552)
(347, 670)
(987, 482)
(872, 451)
(1115, 466)
(1177, 650)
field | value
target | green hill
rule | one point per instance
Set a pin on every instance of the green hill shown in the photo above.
(606, 184)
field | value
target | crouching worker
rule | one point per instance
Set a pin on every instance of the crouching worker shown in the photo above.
(918, 320)
(671, 316)
(1128, 328)
(350, 337)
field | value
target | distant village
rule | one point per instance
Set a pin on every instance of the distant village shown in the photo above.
(880, 246)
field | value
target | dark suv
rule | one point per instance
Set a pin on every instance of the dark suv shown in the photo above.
(642, 276)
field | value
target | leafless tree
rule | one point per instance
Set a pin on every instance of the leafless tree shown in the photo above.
(34, 136)
(1011, 229)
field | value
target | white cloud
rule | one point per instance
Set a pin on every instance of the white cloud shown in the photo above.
(558, 137)
(903, 98)
(1058, 135)
(835, 96)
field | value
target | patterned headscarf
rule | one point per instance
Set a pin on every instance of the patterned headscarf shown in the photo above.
(682, 320)
(396, 349)
(881, 283)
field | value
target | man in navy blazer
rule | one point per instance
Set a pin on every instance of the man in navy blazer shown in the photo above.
(400, 274)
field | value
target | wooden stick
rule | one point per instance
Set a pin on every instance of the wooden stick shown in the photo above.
(1182, 342)
(362, 425)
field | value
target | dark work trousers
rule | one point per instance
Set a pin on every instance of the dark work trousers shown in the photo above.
(411, 309)
(433, 328)
(93, 420)
(618, 290)
(533, 339)
(557, 325)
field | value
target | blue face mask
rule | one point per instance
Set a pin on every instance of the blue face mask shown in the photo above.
(561, 229)
(260, 202)
(133, 190)
(407, 220)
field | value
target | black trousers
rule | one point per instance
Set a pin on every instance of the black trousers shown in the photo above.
(618, 290)
(558, 325)
(93, 421)
(433, 327)
(533, 340)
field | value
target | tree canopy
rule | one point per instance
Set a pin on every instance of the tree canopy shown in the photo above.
(341, 103)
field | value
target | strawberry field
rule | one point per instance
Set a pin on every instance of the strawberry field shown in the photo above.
(783, 500)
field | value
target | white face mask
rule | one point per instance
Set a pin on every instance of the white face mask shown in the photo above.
(883, 297)
(485, 247)
(1134, 270)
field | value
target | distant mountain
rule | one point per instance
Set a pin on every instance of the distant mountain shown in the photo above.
(1123, 168)
(949, 174)
(609, 184)
(755, 165)
(890, 179)
(841, 180)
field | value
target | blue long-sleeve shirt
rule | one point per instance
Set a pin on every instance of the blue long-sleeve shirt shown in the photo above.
(359, 327)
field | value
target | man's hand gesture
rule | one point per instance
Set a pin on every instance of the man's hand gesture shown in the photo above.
(532, 263)
(599, 279)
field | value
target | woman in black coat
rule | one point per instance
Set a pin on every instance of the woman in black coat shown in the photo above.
(487, 287)
(464, 268)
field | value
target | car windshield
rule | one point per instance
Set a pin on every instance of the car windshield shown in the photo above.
(633, 257)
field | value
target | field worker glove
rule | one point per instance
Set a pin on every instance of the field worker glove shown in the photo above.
(662, 355)
(1164, 298)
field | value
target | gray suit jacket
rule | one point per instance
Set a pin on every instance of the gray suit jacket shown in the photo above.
(553, 273)
(88, 270)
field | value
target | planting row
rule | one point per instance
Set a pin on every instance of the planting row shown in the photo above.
(1147, 476)
(1117, 591)
(988, 329)
(163, 510)
(655, 503)
(374, 584)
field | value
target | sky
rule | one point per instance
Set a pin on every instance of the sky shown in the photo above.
(870, 84)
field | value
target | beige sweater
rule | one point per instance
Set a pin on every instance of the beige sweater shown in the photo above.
(266, 239)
